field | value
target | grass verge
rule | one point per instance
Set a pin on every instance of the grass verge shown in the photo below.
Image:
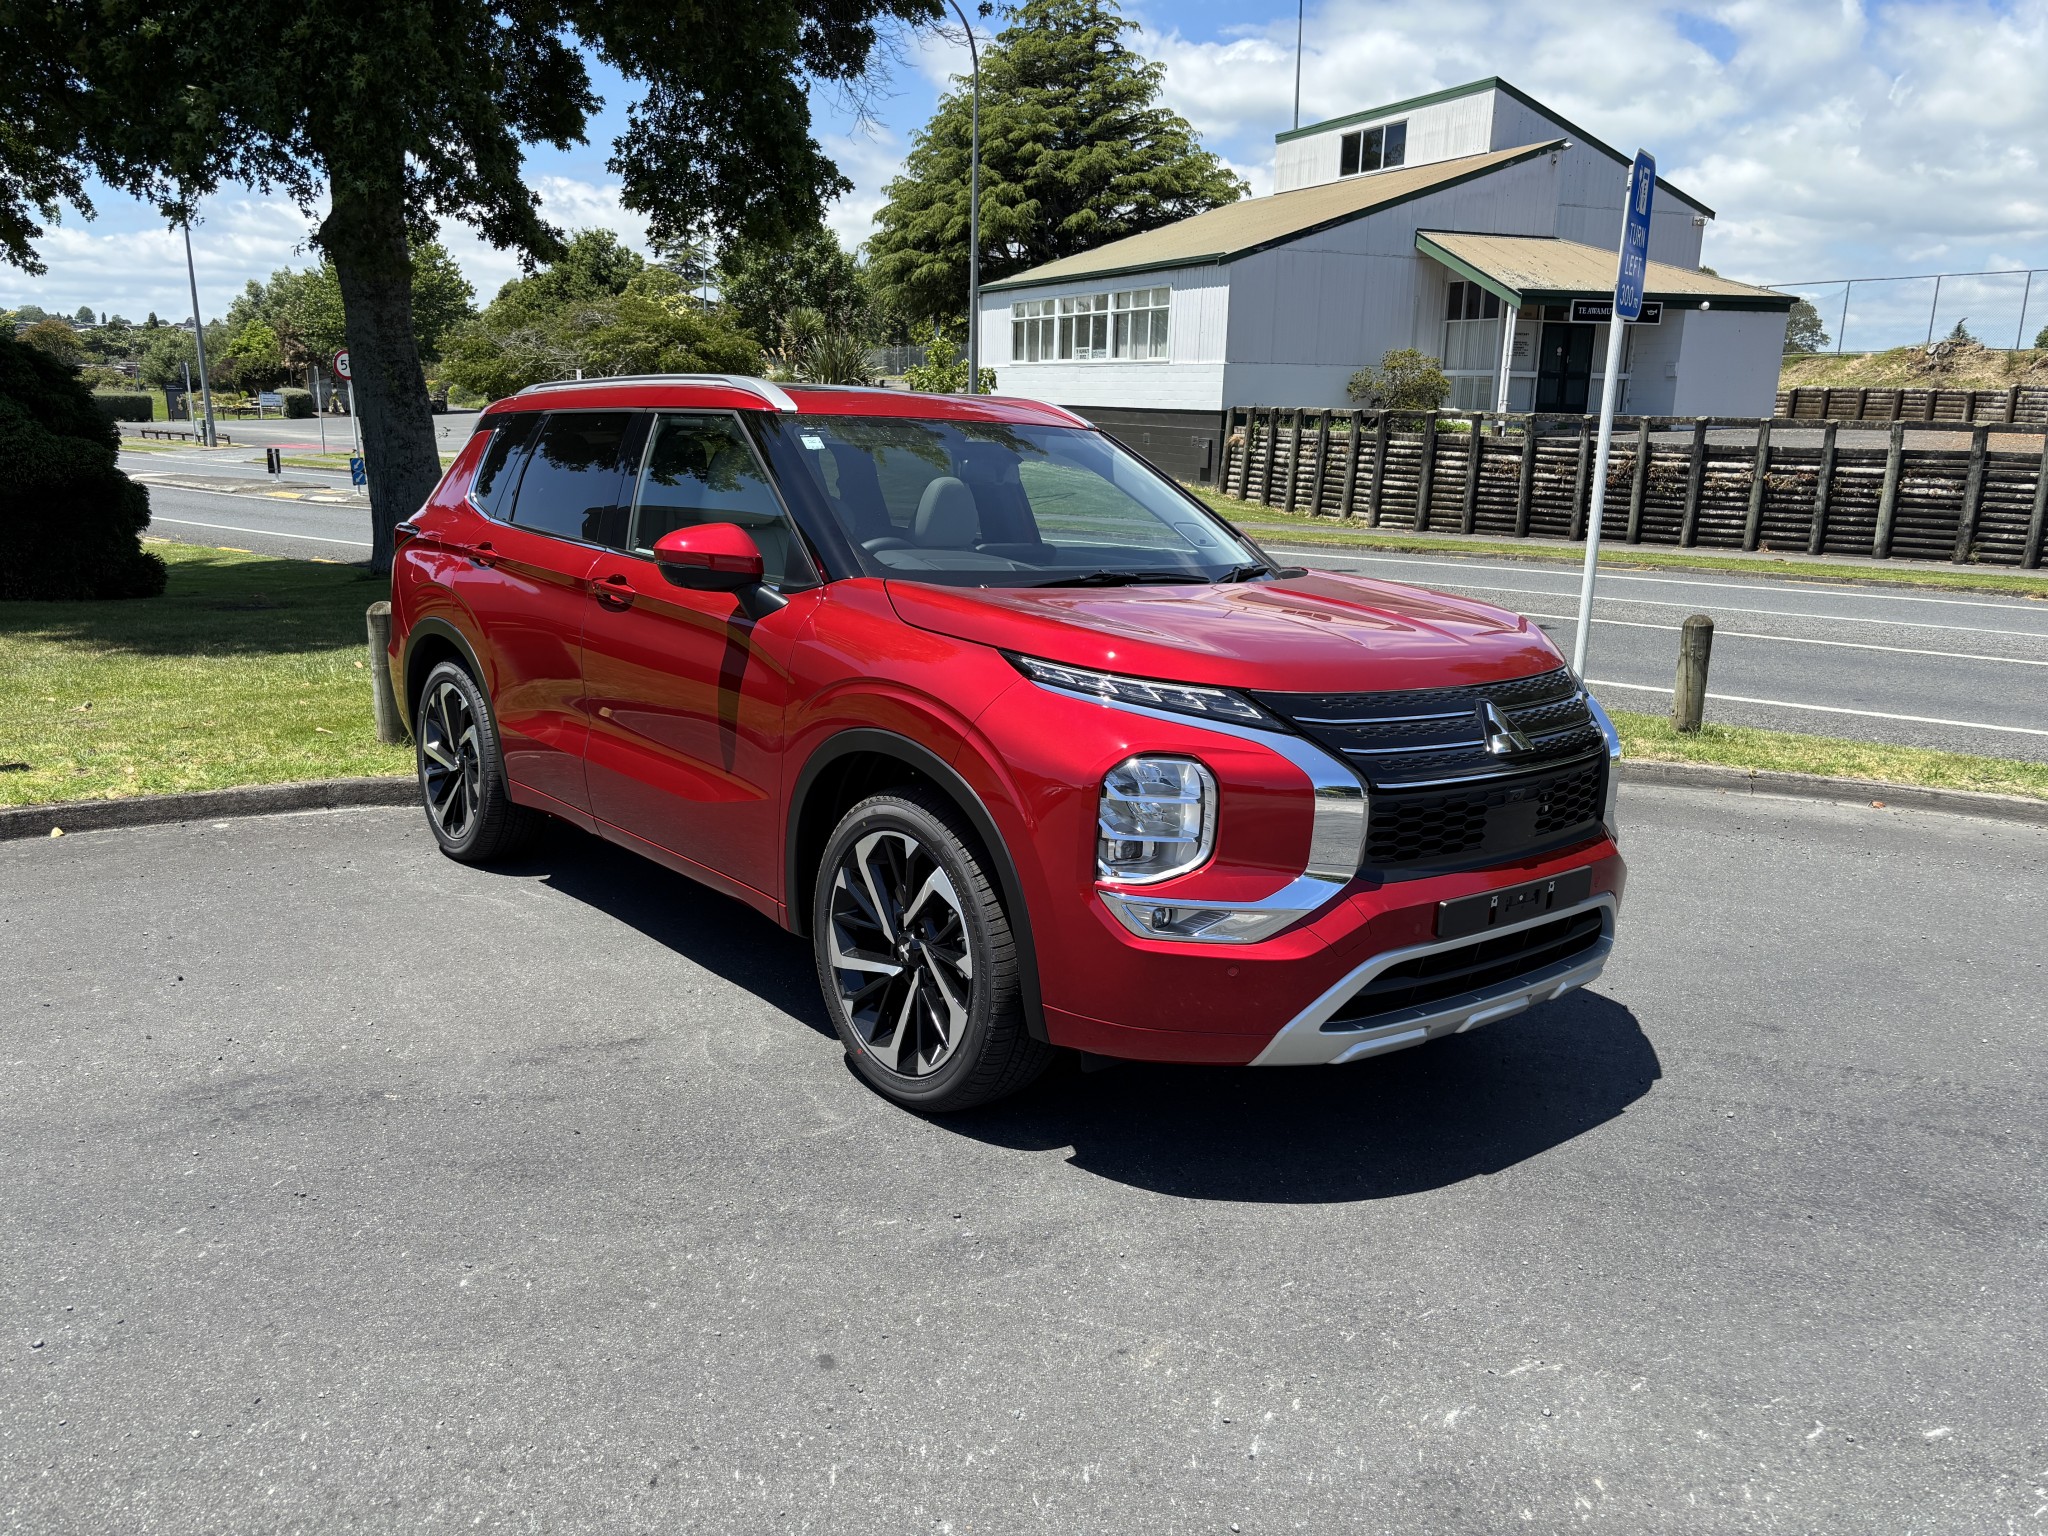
(1736, 746)
(1270, 525)
(334, 460)
(247, 670)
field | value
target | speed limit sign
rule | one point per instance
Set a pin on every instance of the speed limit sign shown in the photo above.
(341, 364)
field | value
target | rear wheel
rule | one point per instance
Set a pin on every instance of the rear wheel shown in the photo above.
(917, 960)
(462, 771)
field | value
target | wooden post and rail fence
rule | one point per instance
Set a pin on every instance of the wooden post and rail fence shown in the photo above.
(1789, 486)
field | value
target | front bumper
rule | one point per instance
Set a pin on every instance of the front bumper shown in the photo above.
(1316, 1036)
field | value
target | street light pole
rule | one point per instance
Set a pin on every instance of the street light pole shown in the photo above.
(973, 213)
(1300, 19)
(199, 335)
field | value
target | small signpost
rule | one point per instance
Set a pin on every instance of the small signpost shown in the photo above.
(267, 399)
(355, 428)
(357, 474)
(1631, 268)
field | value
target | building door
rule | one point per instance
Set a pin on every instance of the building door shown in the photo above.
(1564, 376)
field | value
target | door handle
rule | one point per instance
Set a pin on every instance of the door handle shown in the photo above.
(614, 592)
(482, 555)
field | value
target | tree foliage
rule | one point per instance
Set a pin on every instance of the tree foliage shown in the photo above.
(944, 369)
(302, 308)
(765, 282)
(54, 338)
(601, 309)
(70, 521)
(1075, 152)
(1804, 331)
(1406, 380)
(379, 116)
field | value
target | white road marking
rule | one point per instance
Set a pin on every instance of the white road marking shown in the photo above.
(1780, 613)
(1846, 645)
(268, 533)
(1829, 709)
(1679, 581)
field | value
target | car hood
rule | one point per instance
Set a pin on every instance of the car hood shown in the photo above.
(1325, 632)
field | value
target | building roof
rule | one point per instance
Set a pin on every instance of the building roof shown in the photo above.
(1473, 88)
(1539, 269)
(1242, 228)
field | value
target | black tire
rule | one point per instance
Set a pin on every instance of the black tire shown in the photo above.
(462, 771)
(930, 1012)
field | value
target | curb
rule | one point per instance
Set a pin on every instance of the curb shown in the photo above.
(205, 805)
(1813, 786)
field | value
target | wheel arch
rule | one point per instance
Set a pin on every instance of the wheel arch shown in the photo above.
(857, 763)
(429, 642)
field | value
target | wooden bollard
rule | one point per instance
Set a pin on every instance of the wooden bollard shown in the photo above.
(1689, 694)
(390, 728)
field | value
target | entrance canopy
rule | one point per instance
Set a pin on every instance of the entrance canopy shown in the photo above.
(1521, 270)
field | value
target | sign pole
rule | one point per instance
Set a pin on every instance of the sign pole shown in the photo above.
(1631, 269)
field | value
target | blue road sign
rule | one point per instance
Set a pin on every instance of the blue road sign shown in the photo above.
(357, 474)
(1635, 238)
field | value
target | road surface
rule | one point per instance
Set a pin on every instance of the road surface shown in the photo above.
(349, 1187)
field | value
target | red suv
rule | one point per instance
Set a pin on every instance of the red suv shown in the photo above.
(1036, 749)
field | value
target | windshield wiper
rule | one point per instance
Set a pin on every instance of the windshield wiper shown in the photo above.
(1248, 572)
(1126, 579)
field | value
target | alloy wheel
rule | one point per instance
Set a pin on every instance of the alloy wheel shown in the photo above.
(900, 953)
(451, 761)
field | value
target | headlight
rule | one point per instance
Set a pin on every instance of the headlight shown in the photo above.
(1611, 812)
(1156, 819)
(1177, 698)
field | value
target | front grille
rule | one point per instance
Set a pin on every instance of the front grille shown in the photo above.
(1421, 736)
(1440, 800)
(1470, 967)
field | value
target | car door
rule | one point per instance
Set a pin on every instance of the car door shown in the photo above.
(686, 690)
(529, 588)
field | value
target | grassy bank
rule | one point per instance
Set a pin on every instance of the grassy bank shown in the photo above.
(1947, 367)
(1734, 746)
(246, 671)
(1271, 526)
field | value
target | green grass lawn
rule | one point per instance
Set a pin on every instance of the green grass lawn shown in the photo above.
(1651, 736)
(1270, 525)
(247, 670)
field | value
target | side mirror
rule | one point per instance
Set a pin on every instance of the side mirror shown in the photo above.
(712, 557)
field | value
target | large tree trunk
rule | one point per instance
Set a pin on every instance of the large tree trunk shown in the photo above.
(365, 235)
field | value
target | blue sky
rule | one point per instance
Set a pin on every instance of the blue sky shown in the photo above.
(1833, 138)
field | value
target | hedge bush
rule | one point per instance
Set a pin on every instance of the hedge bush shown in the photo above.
(298, 402)
(70, 522)
(125, 407)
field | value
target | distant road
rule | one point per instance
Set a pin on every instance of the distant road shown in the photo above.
(1954, 671)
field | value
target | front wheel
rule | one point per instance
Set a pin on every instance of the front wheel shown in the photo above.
(917, 960)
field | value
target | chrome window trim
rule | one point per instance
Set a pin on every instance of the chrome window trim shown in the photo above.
(1336, 833)
(1302, 1040)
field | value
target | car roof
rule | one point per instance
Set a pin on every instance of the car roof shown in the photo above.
(733, 392)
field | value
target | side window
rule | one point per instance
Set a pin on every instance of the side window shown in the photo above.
(499, 471)
(702, 469)
(572, 478)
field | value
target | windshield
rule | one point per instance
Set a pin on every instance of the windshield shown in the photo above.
(990, 504)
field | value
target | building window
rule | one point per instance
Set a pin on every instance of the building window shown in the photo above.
(1033, 334)
(1375, 149)
(1472, 346)
(1130, 325)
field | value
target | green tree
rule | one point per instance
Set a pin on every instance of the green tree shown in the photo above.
(383, 115)
(601, 310)
(1406, 380)
(766, 282)
(303, 308)
(1960, 336)
(1075, 152)
(2041, 340)
(54, 338)
(85, 318)
(255, 358)
(1803, 329)
(944, 370)
(165, 357)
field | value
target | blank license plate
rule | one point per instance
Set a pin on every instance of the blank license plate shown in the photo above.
(1497, 909)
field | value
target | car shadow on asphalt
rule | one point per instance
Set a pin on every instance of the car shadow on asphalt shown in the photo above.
(1422, 1119)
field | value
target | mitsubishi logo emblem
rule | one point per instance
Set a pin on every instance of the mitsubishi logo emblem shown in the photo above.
(1501, 737)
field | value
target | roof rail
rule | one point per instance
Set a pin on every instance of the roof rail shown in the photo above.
(774, 394)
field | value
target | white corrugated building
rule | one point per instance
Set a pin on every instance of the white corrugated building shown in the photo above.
(1473, 224)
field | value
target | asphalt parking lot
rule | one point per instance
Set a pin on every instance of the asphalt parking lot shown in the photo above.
(351, 1188)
